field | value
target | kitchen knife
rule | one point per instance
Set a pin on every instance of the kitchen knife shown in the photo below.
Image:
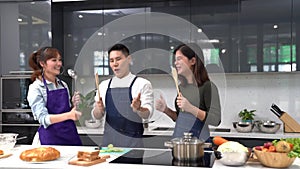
(277, 109)
(276, 113)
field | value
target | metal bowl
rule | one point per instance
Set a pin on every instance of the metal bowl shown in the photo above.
(243, 127)
(268, 126)
(93, 123)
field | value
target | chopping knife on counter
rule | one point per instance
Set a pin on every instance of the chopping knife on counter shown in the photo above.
(197, 103)
(49, 99)
(125, 100)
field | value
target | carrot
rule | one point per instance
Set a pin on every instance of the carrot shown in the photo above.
(218, 140)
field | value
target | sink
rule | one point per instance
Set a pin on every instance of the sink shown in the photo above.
(163, 129)
(172, 128)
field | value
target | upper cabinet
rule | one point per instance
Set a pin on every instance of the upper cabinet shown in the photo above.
(25, 26)
(235, 35)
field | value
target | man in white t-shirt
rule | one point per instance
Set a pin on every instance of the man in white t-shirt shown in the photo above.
(125, 100)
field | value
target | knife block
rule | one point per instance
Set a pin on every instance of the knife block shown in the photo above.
(290, 124)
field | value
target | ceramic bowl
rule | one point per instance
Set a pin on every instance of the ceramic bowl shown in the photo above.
(8, 141)
(234, 158)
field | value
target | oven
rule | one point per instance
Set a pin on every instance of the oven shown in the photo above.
(15, 113)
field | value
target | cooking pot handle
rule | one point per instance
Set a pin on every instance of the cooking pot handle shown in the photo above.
(207, 145)
(217, 153)
(20, 138)
(169, 144)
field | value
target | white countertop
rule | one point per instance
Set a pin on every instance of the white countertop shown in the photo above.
(68, 152)
(233, 133)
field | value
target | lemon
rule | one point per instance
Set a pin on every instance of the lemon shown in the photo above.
(110, 146)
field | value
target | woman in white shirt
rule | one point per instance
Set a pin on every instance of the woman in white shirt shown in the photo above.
(49, 100)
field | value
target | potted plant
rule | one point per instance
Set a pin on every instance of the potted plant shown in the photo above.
(247, 115)
(85, 106)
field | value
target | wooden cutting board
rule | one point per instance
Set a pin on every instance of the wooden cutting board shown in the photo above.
(5, 155)
(86, 163)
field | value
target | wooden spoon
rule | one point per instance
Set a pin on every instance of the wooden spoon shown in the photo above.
(175, 77)
(97, 84)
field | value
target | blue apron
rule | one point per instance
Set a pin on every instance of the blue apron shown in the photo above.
(123, 127)
(187, 122)
(63, 133)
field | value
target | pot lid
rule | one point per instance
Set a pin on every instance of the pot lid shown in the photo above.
(187, 139)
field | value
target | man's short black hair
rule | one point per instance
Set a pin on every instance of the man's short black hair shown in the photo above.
(119, 47)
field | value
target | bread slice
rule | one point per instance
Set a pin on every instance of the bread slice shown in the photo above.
(88, 155)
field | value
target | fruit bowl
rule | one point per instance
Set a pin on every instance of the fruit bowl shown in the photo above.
(274, 159)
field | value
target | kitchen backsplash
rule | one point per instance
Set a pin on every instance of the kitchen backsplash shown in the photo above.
(238, 91)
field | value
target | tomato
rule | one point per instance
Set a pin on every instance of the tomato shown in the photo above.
(272, 149)
(268, 144)
(291, 146)
(264, 149)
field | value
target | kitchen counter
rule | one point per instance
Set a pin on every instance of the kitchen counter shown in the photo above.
(68, 152)
(232, 134)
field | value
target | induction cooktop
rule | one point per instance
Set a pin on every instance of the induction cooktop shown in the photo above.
(162, 157)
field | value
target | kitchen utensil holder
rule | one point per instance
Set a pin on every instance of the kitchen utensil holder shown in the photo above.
(290, 124)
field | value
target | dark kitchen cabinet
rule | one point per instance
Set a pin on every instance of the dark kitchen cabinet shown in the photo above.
(15, 113)
(236, 35)
(250, 142)
(91, 139)
(150, 141)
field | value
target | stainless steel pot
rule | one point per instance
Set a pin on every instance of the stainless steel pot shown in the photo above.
(187, 148)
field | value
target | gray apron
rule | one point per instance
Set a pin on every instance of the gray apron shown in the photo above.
(187, 122)
(123, 127)
(63, 133)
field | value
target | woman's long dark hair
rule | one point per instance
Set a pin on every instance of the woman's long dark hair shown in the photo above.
(193, 51)
(42, 54)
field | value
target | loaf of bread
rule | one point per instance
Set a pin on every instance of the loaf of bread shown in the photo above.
(88, 155)
(40, 154)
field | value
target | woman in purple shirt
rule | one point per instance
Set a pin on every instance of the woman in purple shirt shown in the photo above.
(49, 100)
